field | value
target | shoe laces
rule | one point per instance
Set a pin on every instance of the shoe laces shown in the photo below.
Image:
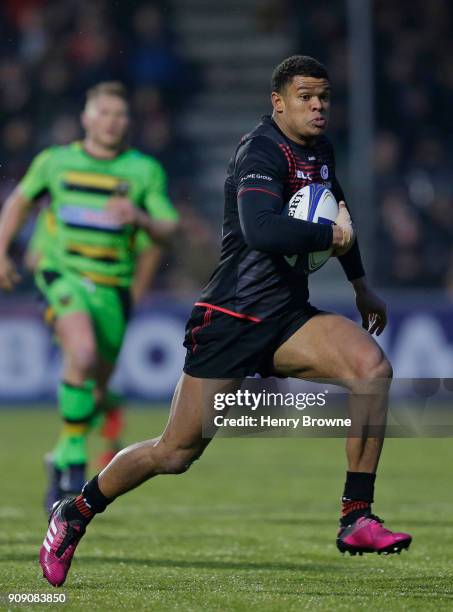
(378, 520)
(70, 538)
(374, 517)
(68, 533)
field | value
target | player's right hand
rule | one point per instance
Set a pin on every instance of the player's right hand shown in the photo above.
(122, 210)
(8, 274)
(343, 231)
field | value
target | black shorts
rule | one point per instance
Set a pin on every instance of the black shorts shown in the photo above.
(220, 345)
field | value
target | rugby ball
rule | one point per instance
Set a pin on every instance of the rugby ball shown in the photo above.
(317, 204)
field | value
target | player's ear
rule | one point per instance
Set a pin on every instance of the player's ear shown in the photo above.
(83, 119)
(277, 102)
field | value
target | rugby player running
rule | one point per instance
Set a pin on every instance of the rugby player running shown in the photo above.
(104, 196)
(254, 316)
(109, 416)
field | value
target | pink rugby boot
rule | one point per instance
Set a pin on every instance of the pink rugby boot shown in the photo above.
(59, 545)
(367, 535)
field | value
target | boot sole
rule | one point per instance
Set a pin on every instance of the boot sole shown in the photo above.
(389, 550)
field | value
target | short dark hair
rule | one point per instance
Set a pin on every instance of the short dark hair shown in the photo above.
(297, 65)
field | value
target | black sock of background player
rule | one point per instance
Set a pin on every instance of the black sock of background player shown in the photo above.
(357, 497)
(91, 501)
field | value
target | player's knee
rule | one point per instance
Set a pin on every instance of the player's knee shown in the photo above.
(372, 366)
(83, 358)
(384, 370)
(379, 367)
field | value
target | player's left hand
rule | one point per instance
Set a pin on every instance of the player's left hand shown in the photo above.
(372, 309)
(344, 222)
(123, 210)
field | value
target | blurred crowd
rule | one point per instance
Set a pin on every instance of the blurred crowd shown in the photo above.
(414, 152)
(413, 71)
(52, 51)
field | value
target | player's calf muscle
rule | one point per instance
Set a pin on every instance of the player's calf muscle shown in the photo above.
(129, 468)
(142, 461)
(177, 460)
(158, 457)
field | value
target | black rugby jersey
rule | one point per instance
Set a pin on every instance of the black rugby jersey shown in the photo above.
(253, 279)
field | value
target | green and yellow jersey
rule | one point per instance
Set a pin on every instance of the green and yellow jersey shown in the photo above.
(42, 242)
(85, 238)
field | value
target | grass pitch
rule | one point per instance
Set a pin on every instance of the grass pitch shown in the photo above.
(250, 527)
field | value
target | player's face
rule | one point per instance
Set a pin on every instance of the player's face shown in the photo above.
(303, 106)
(106, 120)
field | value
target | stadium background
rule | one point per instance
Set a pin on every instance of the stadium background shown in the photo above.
(198, 73)
(251, 526)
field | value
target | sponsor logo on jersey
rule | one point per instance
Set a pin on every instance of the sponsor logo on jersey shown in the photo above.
(324, 172)
(291, 260)
(256, 176)
(87, 217)
(303, 175)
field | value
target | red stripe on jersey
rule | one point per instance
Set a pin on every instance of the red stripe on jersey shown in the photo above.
(289, 157)
(257, 189)
(238, 315)
(206, 322)
(300, 165)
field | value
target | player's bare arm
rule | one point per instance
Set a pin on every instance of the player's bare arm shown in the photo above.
(13, 215)
(145, 270)
(370, 306)
(125, 212)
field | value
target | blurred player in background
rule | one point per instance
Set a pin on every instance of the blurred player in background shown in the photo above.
(109, 418)
(254, 316)
(148, 255)
(103, 195)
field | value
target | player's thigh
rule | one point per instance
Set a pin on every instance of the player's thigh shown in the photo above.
(66, 301)
(331, 346)
(110, 311)
(192, 412)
